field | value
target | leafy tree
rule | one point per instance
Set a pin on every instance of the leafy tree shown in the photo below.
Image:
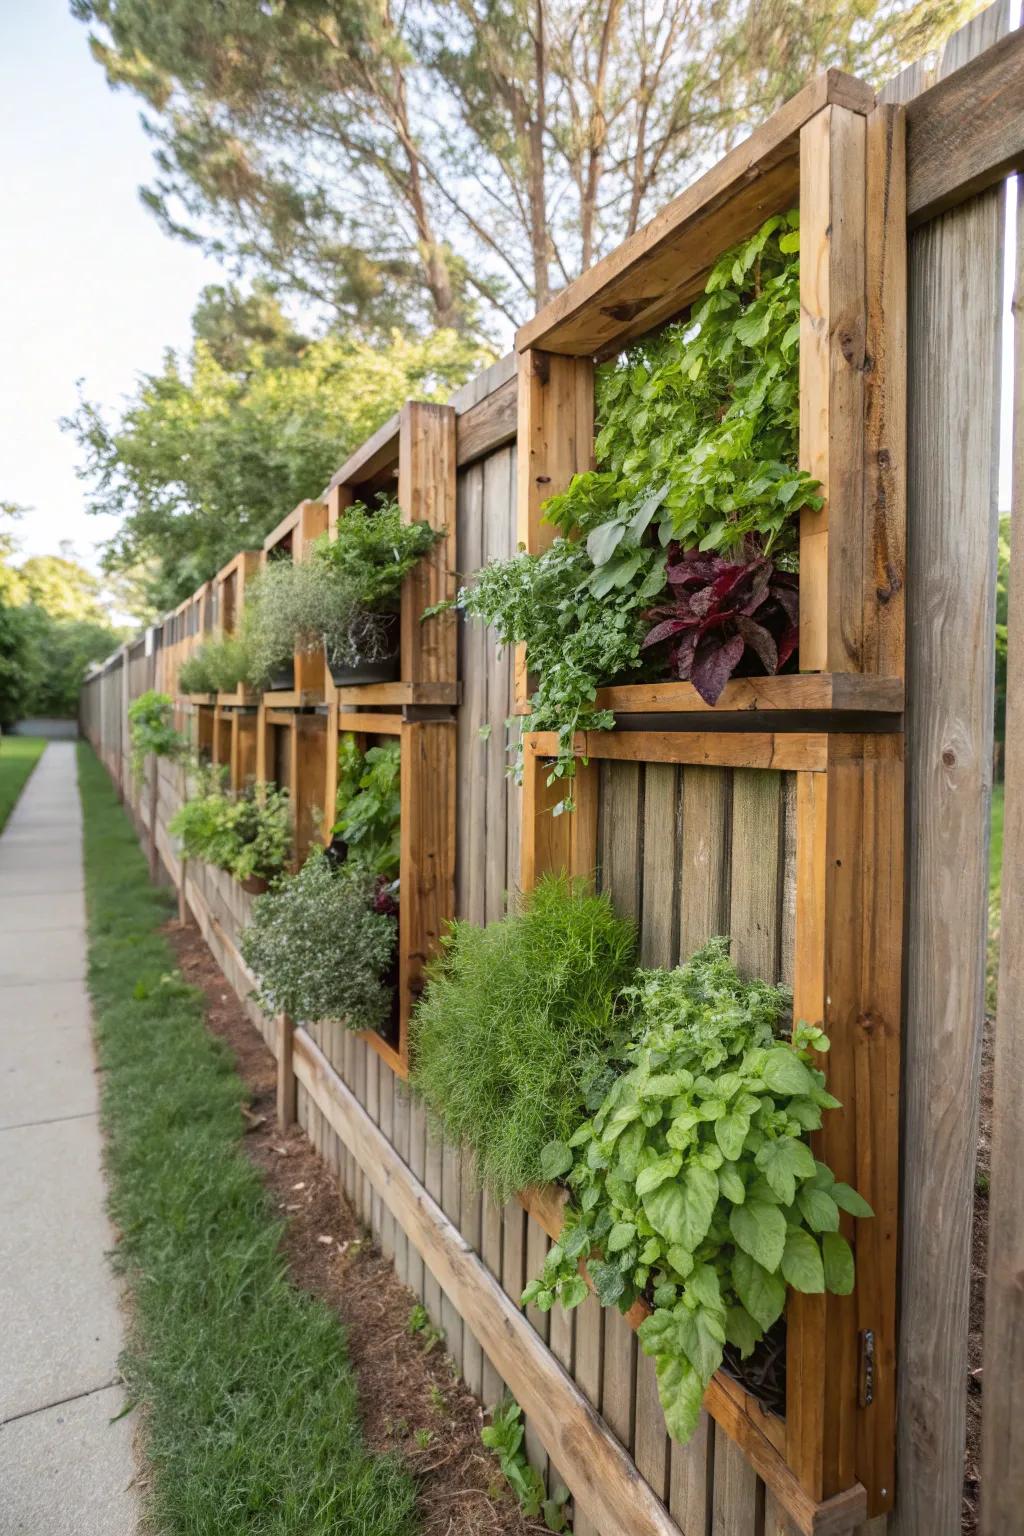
(17, 656)
(440, 164)
(211, 451)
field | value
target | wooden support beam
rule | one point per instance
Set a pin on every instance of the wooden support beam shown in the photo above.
(832, 352)
(426, 494)
(287, 1083)
(427, 856)
(966, 133)
(847, 978)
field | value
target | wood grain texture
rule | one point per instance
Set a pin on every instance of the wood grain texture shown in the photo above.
(954, 283)
(832, 350)
(1003, 1422)
(663, 267)
(426, 494)
(797, 691)
(734, 749)
(966, 133)
(427, 855)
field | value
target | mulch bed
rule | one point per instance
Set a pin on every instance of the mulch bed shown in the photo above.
(411, 1401)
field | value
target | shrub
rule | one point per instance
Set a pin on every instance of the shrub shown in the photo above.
(149, 720)
(513, 1025)
(319, 949)
(291, 608)
(248, 833)
(694, 1178)
(218, 666)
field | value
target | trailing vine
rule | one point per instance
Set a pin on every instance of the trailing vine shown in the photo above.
(697, 447)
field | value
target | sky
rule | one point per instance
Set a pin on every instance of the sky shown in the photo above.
(91, 287)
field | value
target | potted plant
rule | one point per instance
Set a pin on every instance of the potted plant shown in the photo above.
(218, 666)
(370, 556)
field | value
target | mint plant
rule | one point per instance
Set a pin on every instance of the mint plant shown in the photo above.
(692, 1180)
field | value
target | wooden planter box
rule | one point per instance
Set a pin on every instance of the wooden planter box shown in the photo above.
(837, 724)
(414, 456)
(427, 858)
(228, 602)
(291, 540)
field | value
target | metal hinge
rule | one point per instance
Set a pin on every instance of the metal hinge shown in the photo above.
(866, 1388)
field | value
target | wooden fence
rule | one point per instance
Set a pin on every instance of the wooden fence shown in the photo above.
(778, 818)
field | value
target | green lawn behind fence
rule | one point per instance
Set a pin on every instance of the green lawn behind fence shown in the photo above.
(247, 1395)
(18, 756)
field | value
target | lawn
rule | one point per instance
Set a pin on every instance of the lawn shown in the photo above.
(18, 756)
(243, 1383)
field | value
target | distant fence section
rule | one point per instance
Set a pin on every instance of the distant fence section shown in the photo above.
(779, 819)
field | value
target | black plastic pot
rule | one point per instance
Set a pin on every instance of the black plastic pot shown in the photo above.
(386, 669)
(285, 678)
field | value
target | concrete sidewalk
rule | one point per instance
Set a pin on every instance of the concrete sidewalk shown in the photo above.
(65, 1468)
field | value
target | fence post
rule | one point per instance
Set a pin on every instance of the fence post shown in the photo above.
(286, 1082)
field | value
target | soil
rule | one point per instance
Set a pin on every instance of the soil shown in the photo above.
(976, 1317)
(410, 1398)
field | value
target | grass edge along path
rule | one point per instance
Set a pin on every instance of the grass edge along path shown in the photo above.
(18, 756)
(247, 1396)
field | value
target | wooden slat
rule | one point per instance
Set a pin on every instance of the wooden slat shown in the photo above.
(426, 494)
(847, 691)
(371, 458)
(1003, 1420)
(704, 872)
(832, 342)
(427, 858)
(954, 283)
(472, 748)
(604, 1479)
(488, 425)
(966, 133)
(664, 266)
(496, 875)
(358, 695)
(739, 749)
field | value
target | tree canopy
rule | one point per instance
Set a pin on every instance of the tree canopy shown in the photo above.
(214, 449)
(453, 162)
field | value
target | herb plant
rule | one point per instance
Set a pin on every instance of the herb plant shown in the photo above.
(513, 1026)
(247, 833)
(149, 723)
(697, 449)
(369, 806)
(319, 950)
(694, 1181)
(218, 666)
(373, 551)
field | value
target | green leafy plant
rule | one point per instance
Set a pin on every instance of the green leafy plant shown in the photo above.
(151, 730)
(513, 1025)
(504, 1436)
(697, 448)
(248, 833)
(218, 666)
(693, 1180)
(318, 948)
(368, 805)
(373, 551)
(306, 607)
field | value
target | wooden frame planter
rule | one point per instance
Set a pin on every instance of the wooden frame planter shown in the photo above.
(303, 768)
(228, 602)
(839, 1431)
(413, 455)
(427, 843)
(839, 156)
(291, 540)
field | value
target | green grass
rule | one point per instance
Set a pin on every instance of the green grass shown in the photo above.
(248, 1397)
(995, 852)
(18, 756)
